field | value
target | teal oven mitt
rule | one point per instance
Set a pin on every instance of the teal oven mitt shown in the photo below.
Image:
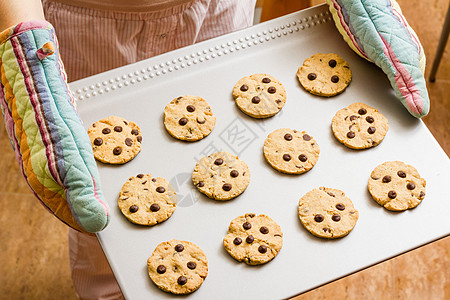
(51, 145)
(377, 31)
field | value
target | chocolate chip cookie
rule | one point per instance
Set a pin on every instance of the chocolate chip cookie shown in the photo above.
(291, 151)
(178, 267)
(259, 95)
(189, 118)
(359, 126)
(327, 213)
(221, 176)
(325, 74)
(115, 140)
(253, 239)
(396, 186)
(146, 200)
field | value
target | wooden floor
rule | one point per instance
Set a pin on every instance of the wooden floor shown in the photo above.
(33, 244)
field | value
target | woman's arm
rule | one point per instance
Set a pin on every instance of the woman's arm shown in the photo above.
(13, 12)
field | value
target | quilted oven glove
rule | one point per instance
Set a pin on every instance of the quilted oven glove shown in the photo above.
(51, 145)
(377, 31)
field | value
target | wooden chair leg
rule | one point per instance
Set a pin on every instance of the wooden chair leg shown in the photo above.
(276, 8)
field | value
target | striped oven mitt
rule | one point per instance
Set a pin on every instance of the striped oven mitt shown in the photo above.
(377, 31)
(51, 145)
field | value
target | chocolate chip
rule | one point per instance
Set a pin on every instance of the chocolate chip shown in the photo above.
(145, 181)
(271, 90)
(226, 187)
(286, 157)
(118, 128)
(312, 76)
(340, 206)
(154, 207)
(362, 111)
(98, 141)
(234, 173)
(288, 137)
(251, 215)
(244, 88)
(318, 218)
(262, 249)
(371, 130)
(387, 179)
(335, 79)
(411, 186)
(191, 265)
(106, 130)
(161, 269)
(350, 134)
(278, 101)
(256, 100)
(218, 161)
(264, 230)
(160, 189)
(201, 121)
(266, 80)
(237, 241)
(201, 184)
(128, 142)
(401, 174)
(182, 280)
(140, 175)
(179, 247)
(336, 218)
(370, 119)
(183, 121)
(353, 117)
(190, 108)
(154, 179)
(134, 132)
(302, 157)
(139, 138)
(94, 125)
(392, 194)
(332, 63)
(134, 208)
(117, 150)
(422, 194)
(325, 229)
(306, 137)
(250, 239)
(331, 194)
(247, 225)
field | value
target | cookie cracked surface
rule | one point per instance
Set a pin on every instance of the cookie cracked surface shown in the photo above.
(359, 126)
(145, 200)
(259, 95)
(178, 267)
(325, 74)
(115, 140)
(221, 176)
(291, 151)
(396, 186)
(253, 239)
(327, 213)
(189, 118)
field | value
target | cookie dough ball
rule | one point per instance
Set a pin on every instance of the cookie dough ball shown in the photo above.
(115, 140)
(325, 74)
(253, 239)
(189, 118)
(396, 186)
(259, 95)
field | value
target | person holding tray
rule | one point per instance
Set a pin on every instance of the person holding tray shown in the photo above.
(93, 36)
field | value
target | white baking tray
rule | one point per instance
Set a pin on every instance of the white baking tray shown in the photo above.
(140, 91)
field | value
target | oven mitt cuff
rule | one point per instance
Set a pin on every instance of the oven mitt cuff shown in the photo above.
(50, 142)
